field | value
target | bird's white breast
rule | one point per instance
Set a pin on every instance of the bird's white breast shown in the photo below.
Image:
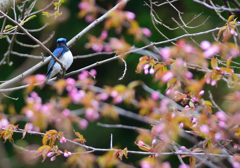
(66, 59)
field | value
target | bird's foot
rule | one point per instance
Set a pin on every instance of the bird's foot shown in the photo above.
(60, 76)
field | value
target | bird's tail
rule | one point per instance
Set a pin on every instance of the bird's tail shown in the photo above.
(44, 83)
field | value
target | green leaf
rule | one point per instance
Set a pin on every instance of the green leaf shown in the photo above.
(230, 18)
(229, 61)
(214, 63)
(208, 103)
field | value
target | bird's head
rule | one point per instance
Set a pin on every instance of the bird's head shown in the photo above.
(61, 40)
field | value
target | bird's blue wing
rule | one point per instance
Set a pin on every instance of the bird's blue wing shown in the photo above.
(57, 52)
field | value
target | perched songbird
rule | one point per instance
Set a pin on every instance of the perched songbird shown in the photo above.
(63, 53)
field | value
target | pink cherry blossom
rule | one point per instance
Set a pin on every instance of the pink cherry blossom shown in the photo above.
(66, 113)
(236, 164)
(94, 104)
(195, 99)
(83, 75)
(93, 72)
(221, 116)
(46, 108)
(189, 75)
(234, 52)
(65, 154)
(167, 76)
(159, 128)
(211, 51)
(214, 82)
(145, 164)
(201, 92)
(83, 124)
(34, 95)
(83, 6)
(151, 71)
(97, 47)
(40, 78)
(30, 100)
(208, 80)
(146, 32)
(63, 140)
(233, 32)
(165, 53)
(166, 165)
(107, 48)
(217, 68)
(217, 136)
(205, 45)
(163, 105)
(181, 125)
(146, 66)
(155, 95)
(183, 148)
(154, 141)
(168, 91)
(37, 106)
(30, 126)
(29, 113)
(104, 34)
(194, 120)
(140, 143)
(50, 154)
(53, 158)
(4, 122)
(89, 18)
(103, 96)
(114, 94)
(91, 114)
(184, 166)
(205, 129)
(130, 15)
(70, 81)
(118, 99)
(221, 124)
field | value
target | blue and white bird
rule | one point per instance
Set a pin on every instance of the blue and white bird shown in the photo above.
(64, 55)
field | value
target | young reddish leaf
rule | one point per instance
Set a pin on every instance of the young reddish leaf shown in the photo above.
(51, 136)
(25, 131)
(192, 161)
(80, 136)
(60, 86)
(221, 30)
(45, 139)
(197, 150)
(214, 63)
(226, 35)
(8, 132)
(230, 18)
(134, 84)
(143, 146)
(7, 135)
(43, 150)
(229, 61)
(118, 153)
(125, 152)
(208, 103)
(120, 88)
